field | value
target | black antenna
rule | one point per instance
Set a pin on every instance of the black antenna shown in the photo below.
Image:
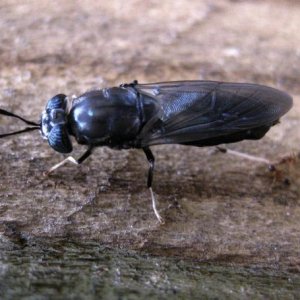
(10, 114)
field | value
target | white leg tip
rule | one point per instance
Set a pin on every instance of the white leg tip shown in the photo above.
(159, 218)
(69, 158)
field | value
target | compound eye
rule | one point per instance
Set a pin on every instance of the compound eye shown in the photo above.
(59, 139)
(58, 101)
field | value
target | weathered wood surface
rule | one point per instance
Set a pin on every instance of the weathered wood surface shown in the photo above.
(216, 207)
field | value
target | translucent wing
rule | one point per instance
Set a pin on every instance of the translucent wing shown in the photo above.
(209, 113)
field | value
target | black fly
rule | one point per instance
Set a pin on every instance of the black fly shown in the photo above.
(194, 113)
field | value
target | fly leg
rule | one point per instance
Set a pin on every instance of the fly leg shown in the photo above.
(71, 159)
(151, 160)
(274, 167)
(246, 156)
(131, 84)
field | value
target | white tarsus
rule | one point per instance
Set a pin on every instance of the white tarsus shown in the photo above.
(68, 159)
(159, 218)
(249, 156)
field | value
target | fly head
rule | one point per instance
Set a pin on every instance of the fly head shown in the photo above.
(54, 124)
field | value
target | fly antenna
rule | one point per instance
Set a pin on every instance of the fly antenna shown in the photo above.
(34, 125)
(10, 114)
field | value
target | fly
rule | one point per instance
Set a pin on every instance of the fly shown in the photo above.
(193, 113)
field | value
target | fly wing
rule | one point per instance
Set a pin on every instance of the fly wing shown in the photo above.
(194, 111)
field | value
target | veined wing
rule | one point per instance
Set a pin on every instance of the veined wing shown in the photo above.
(192, 111)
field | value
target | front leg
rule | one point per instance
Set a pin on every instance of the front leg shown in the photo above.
(71, 159)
